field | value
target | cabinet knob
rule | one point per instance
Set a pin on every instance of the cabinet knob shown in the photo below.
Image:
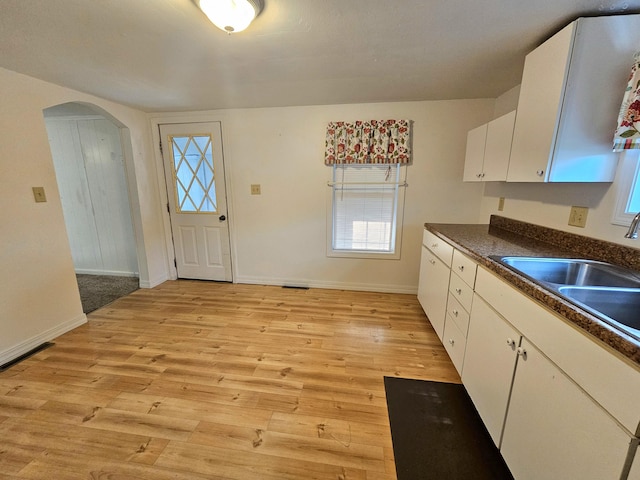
(451, 342)
(522, 352)
(461, 268)
(482, 175)
(434, 245)
(511, 342)
(459, 291)
(455, 313)
(432, 261)
(478, 175)
(540, 172)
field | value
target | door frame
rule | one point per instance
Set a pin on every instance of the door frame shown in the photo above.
(168, 118)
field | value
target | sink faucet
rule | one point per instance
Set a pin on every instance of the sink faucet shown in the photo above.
(633, 228)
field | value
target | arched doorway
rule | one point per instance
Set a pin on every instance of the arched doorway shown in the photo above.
(90, 163)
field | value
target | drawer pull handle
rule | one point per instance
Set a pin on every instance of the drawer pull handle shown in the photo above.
(434, 245)
(455, 313)
(459, 291)
(511, 342)
(461, 268)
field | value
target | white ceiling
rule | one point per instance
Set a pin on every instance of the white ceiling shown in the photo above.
(164, 55)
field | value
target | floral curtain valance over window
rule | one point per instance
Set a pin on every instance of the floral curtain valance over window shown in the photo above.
(627, 135)
(368, 142)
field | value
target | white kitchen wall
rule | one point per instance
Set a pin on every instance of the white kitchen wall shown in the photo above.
(38, 292)
(90, 170)
(279, 237)
(550, 204)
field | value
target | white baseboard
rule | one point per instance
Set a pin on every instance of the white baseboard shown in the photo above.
(114, 273)
(28, 345)
(153, 282)
(362, 287)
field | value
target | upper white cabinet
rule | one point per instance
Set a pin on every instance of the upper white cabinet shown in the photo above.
(488, 150)
(570, 96)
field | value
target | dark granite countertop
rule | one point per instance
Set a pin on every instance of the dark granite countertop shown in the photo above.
(505, 237)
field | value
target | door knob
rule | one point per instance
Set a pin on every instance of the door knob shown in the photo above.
(222, 218)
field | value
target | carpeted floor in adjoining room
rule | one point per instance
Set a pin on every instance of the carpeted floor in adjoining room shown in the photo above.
(96, 291)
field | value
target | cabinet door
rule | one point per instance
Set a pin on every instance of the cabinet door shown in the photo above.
(474, 158)
(489, 363)
(541, 91)
(498, 148)
(554, 430)
(454, 343)
(433, 288)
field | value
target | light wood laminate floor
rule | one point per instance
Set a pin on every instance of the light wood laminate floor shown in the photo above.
(198, 380)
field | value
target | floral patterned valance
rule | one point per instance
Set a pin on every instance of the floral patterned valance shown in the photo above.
(368, 142)
(627, 135)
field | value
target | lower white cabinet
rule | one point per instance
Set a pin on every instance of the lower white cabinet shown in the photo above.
(554, 430)
(433, 288)
(454, 343)
(489, 365)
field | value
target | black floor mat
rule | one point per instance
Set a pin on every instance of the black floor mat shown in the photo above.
(437, 433)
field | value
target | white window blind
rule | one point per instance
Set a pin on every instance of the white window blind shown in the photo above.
(365, 204)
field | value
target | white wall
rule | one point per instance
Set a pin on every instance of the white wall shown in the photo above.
(550, 204)
(279, 237)
(38, 291)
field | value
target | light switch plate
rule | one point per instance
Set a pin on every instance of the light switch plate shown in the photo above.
(39, 195)
(255, 189)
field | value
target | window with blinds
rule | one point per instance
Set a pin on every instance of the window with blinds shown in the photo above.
(365, 206)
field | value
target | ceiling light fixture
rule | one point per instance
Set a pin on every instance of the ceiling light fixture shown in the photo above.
(230, 15)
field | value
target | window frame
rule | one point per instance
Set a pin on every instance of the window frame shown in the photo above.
(399, 219)
(627, 180)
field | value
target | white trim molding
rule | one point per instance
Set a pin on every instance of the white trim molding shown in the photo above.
(23, 347)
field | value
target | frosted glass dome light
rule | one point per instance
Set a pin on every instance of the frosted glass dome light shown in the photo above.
(230, 15)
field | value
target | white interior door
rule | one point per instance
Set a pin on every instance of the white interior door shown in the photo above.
(194, 171)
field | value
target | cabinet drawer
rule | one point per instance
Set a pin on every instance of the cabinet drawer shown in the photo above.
(454, 343)
(439, 247)
(458, 314)
(461, 291)
(464, 267)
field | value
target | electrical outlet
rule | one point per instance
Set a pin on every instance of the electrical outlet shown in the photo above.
(255, 189)
(39, 195)
(501, 204)
(578, 216)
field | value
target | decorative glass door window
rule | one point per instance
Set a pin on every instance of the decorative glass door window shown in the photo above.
(193, 173)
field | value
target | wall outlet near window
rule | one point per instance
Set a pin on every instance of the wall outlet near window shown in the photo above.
(501, 204)
(578, 216)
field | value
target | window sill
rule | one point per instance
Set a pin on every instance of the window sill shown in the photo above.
(363, 254)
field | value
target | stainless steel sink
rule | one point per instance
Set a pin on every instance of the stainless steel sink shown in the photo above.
(621, 306)
(562, 271)
(607, 291)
